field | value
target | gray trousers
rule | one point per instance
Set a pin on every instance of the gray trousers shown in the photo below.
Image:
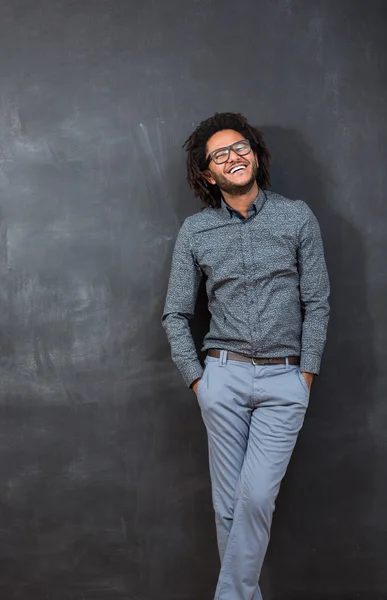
(252, 415)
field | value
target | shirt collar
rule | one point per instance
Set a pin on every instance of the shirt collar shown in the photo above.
(252, 210)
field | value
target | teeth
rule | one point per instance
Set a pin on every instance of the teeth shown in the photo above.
(235, 169)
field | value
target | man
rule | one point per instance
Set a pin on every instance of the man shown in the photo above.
(268, 289)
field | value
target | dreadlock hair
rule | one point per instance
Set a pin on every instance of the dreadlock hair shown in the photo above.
(196, 144)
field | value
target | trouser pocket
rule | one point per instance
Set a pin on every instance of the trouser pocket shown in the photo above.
(303, 381)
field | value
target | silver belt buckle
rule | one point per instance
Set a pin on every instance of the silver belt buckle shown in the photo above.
(254, 362)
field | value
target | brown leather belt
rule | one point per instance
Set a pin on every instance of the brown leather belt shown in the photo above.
(292, 360)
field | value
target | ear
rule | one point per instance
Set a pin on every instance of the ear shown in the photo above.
(208, 177)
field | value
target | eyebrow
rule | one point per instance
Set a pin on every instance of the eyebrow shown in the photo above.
(228, 145)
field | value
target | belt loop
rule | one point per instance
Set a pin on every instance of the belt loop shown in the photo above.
(223, 358)
(287, 362)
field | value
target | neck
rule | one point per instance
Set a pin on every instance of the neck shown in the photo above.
(243, 202)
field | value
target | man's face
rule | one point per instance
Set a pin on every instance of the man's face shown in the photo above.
(238, 174)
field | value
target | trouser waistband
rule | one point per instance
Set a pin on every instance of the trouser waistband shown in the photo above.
(256, 360)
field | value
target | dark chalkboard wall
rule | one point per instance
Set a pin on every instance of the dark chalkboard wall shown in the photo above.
(103, 465)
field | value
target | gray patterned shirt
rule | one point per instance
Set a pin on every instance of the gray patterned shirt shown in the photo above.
(267, 283)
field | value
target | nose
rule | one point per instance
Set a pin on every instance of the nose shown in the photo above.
(232, 155)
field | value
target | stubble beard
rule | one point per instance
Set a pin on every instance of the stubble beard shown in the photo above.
(234, 189)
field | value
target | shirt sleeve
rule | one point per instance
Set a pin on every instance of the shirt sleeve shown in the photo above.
(180, 305)
(314, 292)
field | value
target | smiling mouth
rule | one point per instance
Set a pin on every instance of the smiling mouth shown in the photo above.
(237, 169)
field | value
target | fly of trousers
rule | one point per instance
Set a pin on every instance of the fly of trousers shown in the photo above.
(253, 415)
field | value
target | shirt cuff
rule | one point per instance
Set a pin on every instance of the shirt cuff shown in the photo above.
(310, 363)
(191, 371)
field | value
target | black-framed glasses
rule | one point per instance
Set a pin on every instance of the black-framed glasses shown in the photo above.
(221, 155)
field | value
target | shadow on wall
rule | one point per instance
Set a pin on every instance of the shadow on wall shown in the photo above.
(322, 543)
